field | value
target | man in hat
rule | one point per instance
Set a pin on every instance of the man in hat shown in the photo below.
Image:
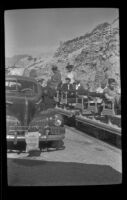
(55, 78)
(67, 87)
(70, 74)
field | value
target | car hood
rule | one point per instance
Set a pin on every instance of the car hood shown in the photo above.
(22, 109)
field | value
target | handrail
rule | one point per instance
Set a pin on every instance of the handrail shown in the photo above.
(96, 124)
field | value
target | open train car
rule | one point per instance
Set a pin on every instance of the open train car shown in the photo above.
(87, 105)
(65, 99)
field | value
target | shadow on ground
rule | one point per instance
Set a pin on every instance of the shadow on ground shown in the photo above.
(26, 172)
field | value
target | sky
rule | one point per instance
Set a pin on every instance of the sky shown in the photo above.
(37, 31)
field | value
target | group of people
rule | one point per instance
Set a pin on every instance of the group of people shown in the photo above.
(70, 84)
(73, 86)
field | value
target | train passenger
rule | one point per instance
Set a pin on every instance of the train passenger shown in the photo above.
(110, 93)
(67, 87)
(76, 85)
(55, 78)
(82, 90)
(71, 74)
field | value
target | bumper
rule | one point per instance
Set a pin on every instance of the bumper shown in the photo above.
(54, 133)
(41, 138)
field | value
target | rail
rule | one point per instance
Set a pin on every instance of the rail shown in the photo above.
(100, 125)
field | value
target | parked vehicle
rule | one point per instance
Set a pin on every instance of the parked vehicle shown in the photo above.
(25, 112)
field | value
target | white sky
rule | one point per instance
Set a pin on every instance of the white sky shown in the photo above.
(34, 31)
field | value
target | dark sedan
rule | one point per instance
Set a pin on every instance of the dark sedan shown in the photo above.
(26, 112)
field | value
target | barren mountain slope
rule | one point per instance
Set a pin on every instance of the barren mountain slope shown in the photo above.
(95, 56)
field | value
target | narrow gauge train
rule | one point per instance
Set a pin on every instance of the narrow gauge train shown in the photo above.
(87, 105)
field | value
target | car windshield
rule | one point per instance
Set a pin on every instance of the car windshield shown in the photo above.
(21, 86)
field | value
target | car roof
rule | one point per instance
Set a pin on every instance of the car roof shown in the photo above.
(16, 77)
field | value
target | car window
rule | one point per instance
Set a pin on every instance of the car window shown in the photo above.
(28, 85)
(21, 86)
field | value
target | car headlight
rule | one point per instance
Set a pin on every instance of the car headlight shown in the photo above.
(58, 120)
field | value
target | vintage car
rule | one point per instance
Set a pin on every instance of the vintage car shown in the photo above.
(26, 113)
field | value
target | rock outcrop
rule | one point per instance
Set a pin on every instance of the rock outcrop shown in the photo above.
(95, 55)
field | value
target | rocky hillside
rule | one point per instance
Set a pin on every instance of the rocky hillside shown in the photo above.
(95, 56)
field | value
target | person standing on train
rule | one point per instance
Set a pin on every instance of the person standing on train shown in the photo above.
(55, 78)
(70, 73)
